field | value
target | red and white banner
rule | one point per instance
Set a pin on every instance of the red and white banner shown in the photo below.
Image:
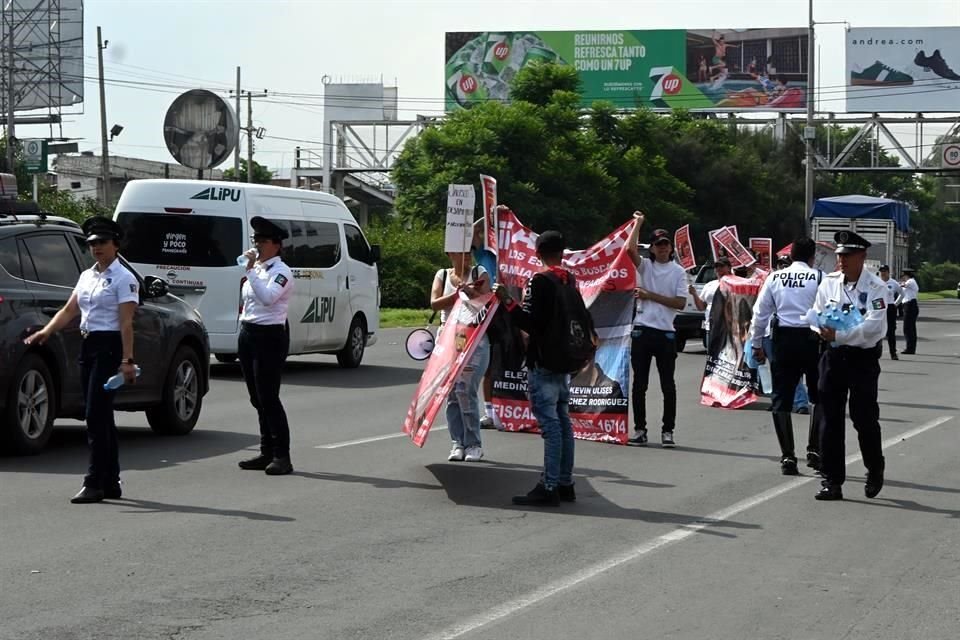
(455, 346)
(727, 380)
(683, 245)
(763, 249)
(606, 277)
(488, 186)
(730, 247)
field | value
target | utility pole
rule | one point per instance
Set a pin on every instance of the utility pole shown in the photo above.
(11, 94)
(104, 150)
(809, 131)
(236, 150)
(251, 132)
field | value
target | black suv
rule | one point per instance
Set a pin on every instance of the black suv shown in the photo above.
(41, 257)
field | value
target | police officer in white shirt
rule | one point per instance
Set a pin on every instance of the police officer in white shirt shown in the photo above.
(661, 292)
(911, 310)
(850, 364)
(264, 342)
(787, 295)
(895, 291)
(106, 297)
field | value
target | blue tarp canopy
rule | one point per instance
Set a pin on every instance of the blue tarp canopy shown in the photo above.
(864, 207)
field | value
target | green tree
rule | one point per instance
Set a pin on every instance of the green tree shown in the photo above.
(411, 253)
(261, 175)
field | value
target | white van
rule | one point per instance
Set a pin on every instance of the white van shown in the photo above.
(190, 232)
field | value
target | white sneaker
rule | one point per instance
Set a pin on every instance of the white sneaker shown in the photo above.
(456, 454)
(474, 454)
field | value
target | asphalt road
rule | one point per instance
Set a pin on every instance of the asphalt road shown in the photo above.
(374, 538)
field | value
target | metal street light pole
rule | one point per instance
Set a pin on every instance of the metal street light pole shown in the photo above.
(809, 131)
(104, 150)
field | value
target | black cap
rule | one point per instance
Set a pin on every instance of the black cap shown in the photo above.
(101, 228)
(784, 261)
(722, 262)
(884, 267)
(908, 270)
(263, 227)
(849, 242)
(659, 235)
(551, 242)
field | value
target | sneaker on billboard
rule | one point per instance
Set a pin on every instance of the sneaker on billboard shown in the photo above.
(935, 63)
(667, 441)
(639, 439)
(880, 75)
(473, 454)
(457, 454)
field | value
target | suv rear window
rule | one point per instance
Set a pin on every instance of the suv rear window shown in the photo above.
(182, 240)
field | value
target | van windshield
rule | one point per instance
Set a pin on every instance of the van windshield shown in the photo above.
(181, 240)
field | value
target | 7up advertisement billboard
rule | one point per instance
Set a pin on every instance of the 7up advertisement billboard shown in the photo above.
(717, 70)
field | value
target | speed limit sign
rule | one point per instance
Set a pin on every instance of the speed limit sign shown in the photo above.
(951, 156)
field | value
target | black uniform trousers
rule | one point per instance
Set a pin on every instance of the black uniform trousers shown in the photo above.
(855, 372)
(892, 328)
(653, 344)
(100, 356)
(262, 350)
(796, 354)
(910, 315)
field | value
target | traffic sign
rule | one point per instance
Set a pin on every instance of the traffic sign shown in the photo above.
(950, 158)
(35, 155)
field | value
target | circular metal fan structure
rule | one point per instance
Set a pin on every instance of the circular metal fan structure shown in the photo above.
(200, 129)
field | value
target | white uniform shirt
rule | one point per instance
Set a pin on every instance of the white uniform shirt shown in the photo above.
(869, 294)
(444, 276)
(789, 293)
(894, 288)
(266, 293)
(707, 294)
(910, 290)
(100, 295)
(667, 279)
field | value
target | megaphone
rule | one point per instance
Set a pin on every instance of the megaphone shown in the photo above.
(420, 344)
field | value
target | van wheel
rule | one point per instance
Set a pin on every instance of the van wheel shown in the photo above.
(31, 408)
(352, 353)
(226, 358)
(179, 409)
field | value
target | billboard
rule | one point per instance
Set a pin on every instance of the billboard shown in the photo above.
(909, 69)
(711, 69)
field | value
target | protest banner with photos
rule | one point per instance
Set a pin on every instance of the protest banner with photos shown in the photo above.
(489, 193)
(461, 200)
(683, 246)
(727, 380)
(763, 249)
(466, 322)
(599, 393)
(738, 254)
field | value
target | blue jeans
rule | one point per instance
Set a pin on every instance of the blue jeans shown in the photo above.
(550, 402)
(463, 411)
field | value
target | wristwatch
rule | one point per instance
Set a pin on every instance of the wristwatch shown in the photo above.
(128, 361)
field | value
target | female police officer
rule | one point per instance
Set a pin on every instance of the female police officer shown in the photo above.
(264, 342)
(106, 297)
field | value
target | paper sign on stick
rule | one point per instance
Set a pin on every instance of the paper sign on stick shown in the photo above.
(684, 247)
(489, 186)
(739, 255)
(763, 248)
(461, 200)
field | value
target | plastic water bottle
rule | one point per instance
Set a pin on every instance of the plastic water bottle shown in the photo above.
(116, 380)
(242, 259)
(766, 379)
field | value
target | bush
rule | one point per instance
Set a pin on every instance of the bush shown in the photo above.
(938, 277)
(411, 254)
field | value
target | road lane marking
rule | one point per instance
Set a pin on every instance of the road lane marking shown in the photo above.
(350, 443)
(677, 535)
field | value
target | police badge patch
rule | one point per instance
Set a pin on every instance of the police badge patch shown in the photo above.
(878, 303)
(281, 280)
(133, 288)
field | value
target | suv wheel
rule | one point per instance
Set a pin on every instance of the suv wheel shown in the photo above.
(31, 407)
(352, 353)
(179, 409)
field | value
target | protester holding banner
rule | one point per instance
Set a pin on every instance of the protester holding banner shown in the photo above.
(850, 364)
(487, 260)
(704, 300)
(463, 417)
(554, 316)
(784, 299)
(661, 292)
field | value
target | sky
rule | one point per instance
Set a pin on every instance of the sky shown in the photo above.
(288, 46)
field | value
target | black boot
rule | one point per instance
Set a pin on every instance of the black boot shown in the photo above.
(874, 481)
(540, 496)
(814, 461)
(783, 425)
(279, 467)
(256, 464)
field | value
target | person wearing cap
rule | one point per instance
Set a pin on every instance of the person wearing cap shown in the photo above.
(661, 293)
(911, 310)
(106, 298)
(264, 342)
(704, 300)
(850, 365)
(549, 390)
(895, 292)
(787, 295)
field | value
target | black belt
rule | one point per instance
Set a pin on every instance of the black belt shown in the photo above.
(93, 334)
(250, 326)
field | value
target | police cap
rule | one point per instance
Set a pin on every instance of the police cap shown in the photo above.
(884, 267)
(263, 227)
(101, 228)
(908, 270)
(850, 242)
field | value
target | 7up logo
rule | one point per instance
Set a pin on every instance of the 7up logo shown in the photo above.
(468, 84)
(671, 84)
(501, 51)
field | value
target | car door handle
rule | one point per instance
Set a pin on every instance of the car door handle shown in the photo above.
(50, 311)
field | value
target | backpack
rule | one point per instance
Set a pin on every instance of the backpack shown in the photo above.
(569, 341)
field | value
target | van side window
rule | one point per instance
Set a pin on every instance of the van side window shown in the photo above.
(357, 245)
